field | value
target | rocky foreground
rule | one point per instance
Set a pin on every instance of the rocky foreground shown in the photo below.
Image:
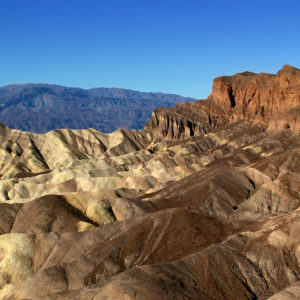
(204, 203)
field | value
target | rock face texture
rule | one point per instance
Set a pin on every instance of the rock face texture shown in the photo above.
(273, 99)
(204, 203)
(261, 96)
(43, 107)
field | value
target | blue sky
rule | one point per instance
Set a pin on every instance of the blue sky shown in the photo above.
(148, 45)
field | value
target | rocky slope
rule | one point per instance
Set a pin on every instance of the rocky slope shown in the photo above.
(43, 107)
(202, 204)
(273, 99)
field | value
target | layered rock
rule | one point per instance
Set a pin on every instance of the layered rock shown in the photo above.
(267, 97)
(185, 120)
(273, 99)
(203, 204)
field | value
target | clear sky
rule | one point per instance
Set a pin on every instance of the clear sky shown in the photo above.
(173, 46)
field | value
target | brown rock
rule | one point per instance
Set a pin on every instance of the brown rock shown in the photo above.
(274, 99)
(202, 204)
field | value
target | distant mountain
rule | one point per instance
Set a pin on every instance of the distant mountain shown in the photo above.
(43, 107)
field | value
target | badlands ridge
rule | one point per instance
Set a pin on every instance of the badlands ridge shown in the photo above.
(204, 203)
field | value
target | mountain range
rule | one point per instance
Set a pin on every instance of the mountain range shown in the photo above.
(42, 107)
(203, 203)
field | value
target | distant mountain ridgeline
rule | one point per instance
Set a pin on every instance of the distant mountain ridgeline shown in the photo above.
(42, 107)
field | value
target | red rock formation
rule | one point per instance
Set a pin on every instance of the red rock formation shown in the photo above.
(273, 99)
(260, 96)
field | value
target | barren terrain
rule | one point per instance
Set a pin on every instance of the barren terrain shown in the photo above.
(204, 203)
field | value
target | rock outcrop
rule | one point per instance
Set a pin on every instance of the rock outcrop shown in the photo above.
(262, 96)
(202, 204)
(273, 99)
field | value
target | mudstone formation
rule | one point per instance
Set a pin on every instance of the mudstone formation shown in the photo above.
(204, 203)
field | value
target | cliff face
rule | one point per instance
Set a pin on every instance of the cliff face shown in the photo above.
(179, 122)
(271, 99)
(186, 120)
